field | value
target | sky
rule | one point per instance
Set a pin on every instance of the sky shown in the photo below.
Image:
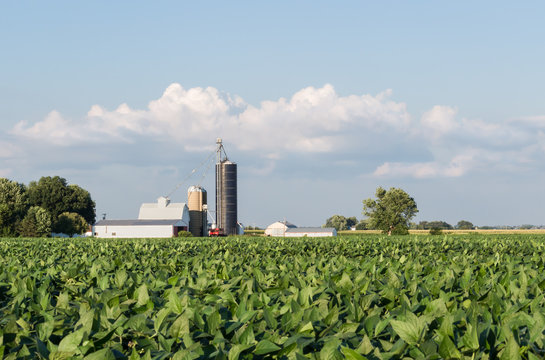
(319, 103)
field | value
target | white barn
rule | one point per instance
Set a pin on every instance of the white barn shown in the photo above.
(287, 229)
(155, 220)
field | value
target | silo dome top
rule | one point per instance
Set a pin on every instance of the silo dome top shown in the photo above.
(196, 188)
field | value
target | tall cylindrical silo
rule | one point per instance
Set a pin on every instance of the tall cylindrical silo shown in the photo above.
(226, 196)
(196, 203)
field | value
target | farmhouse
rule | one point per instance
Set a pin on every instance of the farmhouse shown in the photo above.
(287, 229)
(155, 220)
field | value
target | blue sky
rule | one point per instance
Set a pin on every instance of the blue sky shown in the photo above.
(318, 102)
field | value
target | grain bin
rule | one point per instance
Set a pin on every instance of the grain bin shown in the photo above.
(226, 197)
(196, 202)
(226, 193)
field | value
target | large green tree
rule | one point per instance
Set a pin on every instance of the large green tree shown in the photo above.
(391, 211)
(13, 206)
(56, 196)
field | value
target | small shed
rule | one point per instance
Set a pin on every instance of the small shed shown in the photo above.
(138, 228)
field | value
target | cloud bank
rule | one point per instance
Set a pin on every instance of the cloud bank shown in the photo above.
(311, 121)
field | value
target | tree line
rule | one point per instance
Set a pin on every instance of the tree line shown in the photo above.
(391, 212)
(49, 205)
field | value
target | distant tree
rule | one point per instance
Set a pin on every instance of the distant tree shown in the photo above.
(351, 222)
(426, 225)
(338, 222)
(13, 206)
(362, 225)
(56, 196)
(465, 225)
(36, 223)
(436, 231)
(252, 228)
(391, 212)
(70, 224)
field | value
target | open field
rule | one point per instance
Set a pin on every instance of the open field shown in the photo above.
(455, 232)
(374, 297)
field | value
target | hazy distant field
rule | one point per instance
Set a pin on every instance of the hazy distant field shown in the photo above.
(375, 297)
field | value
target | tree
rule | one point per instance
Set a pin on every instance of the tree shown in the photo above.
(36, 223)
(351, 222)
(465, 225)
(57, 197)
(71, 223)
(426, 225)
(13, 206)
(79, 201)
(391, 212)
(340, 222)
(362, 225)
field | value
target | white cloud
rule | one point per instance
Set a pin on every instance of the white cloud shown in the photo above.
(439, 120)
(312, 121)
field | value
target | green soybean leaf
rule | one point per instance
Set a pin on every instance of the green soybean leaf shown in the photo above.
(104, 354)
(448, 350)
(265, 347)
(411, 329)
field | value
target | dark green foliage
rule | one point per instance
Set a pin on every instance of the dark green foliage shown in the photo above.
(391, 212)
(57, 197)
(436, 231)
(426, 225)
(13, 206)
(71, 224)
(36, 223)
(465, 225)
(184, 234)
(362, 225)
(416, 297)
(340, 222)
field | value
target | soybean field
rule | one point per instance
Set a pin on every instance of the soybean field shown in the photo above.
(355, 297)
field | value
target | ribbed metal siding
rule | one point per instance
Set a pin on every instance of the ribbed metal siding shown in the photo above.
(196, 198)
(226, 197)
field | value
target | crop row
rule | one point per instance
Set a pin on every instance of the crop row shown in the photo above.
(363, 297)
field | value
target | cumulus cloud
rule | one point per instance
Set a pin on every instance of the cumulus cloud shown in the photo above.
(312, 121)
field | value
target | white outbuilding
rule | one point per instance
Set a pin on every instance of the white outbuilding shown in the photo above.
(155, 220)
(311, 232)
(287, 229)
(278, 228)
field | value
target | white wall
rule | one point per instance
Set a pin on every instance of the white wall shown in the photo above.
(140, 231)
(309, 234)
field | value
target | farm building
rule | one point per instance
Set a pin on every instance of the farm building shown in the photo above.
(160, 219)
(285, 228)
(278, 228)
(311, 232)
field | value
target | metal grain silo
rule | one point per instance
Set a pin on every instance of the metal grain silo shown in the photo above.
(196, 202)
(226, 197)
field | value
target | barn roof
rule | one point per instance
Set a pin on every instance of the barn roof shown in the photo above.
(138, 222)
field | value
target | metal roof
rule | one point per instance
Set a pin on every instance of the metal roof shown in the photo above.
(138, 222)
(309, 230)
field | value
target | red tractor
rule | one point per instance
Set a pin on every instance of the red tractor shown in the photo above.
(216, 232)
